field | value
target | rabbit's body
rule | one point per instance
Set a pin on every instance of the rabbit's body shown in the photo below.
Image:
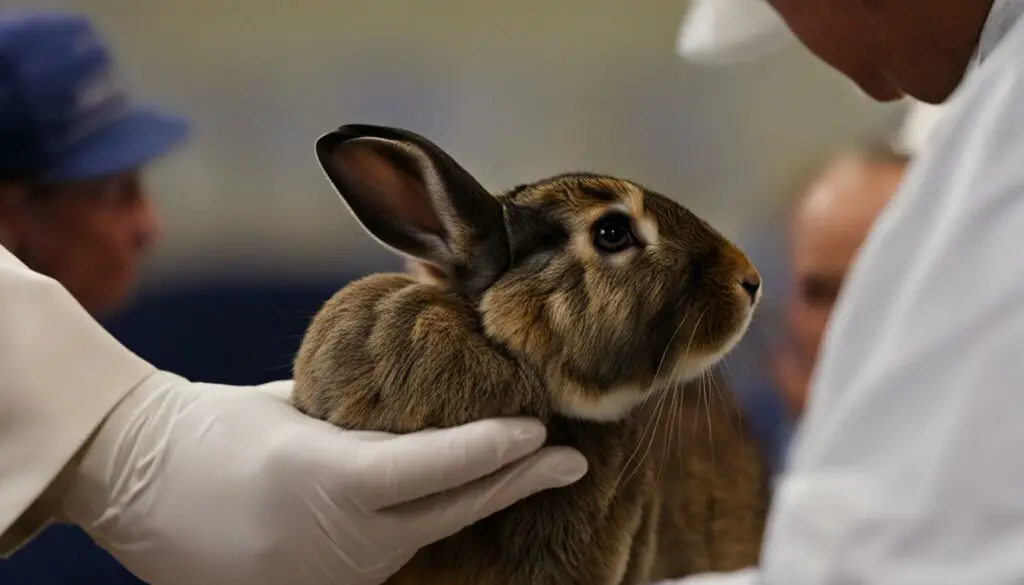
(438, 347)
(713, 480)
(445, 353)
(572, 299)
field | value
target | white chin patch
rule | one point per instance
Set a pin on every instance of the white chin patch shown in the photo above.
(608, 407)
(616, 404)
(689, 367)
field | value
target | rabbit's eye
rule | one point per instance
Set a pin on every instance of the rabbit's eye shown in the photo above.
(612, 233)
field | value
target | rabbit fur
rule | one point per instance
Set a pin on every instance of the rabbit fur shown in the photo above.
(572, 299)
(712, 478)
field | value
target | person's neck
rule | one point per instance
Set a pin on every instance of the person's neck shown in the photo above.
(948, 45)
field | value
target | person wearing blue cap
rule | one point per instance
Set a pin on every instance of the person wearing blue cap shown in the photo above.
(901, 470)
(184, 483)
(72, 150)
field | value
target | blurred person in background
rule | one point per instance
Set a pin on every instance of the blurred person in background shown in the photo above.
(899, 470)
(829, 221)
(826, 219)
(93, 435)
(772, 379)
(73, 205)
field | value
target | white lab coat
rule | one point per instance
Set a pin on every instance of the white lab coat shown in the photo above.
(907, 467)
(61, 373)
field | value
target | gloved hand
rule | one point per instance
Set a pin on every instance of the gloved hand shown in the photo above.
(190, 484)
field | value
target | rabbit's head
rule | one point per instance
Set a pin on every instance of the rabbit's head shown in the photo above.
(607, 289)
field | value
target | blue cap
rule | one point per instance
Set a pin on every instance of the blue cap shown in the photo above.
(64, 114)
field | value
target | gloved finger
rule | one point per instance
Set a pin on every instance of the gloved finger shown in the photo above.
(416, 465)
(441, 515)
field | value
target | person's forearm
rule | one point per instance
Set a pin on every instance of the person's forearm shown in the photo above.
(61, 373)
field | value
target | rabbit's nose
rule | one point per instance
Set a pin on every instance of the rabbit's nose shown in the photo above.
(751, 284)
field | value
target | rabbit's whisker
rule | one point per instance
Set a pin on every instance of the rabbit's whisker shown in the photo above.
(679, 387)
(643, 433)
(672, 420)
(677, 415)
(668, 345)
(661, 398)
(658, 411)
(706, 395)
(737, 420)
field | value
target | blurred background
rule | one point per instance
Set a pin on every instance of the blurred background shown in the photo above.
(254, 237)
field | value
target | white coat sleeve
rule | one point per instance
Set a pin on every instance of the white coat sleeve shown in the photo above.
(907, 466)
(61, 373)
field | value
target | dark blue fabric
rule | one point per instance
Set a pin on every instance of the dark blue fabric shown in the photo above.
(63, 555)
(63, 111)
(770, 423)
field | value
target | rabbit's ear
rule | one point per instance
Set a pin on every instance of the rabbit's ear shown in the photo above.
(412, 197)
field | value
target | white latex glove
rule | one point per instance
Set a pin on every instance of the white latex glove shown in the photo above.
(202, 484)
(730, 31)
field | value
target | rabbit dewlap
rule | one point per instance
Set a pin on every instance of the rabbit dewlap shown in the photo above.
(571, 299)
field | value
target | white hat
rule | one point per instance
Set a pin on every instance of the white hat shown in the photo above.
(918, 123)
(729, 31)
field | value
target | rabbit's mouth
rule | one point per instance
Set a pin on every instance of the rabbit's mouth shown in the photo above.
(617, 403)
(691, 364)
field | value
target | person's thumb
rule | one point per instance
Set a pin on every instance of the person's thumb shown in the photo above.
(433, 518)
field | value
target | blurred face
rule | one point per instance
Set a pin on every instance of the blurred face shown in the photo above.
(89, 235)
(891, 48)
(828, 228)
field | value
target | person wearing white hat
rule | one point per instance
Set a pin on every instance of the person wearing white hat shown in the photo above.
(721, 31)
(901, 469)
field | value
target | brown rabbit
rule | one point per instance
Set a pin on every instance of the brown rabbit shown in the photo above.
(571, 299)
(712, 478)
